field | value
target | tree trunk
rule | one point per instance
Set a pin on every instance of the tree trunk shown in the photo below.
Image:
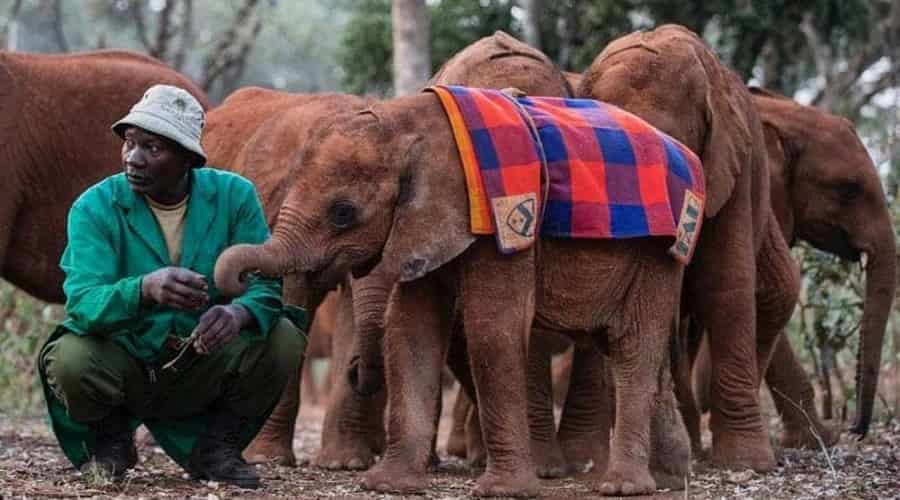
(10, 30)
(531, 26)
(412, 57)
(58, 34)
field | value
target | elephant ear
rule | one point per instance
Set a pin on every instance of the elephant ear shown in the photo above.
(431, 218)
(728, 146)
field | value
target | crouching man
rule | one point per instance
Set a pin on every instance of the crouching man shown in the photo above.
(147, 337)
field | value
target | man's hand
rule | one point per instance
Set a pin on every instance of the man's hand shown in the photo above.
(219, 326)
(175, 287)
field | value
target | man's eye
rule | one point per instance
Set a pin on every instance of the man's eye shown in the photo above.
(129, 144)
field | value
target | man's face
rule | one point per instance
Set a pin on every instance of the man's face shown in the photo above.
(155, 166)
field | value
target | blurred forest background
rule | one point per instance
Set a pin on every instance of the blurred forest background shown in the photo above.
(841, 55)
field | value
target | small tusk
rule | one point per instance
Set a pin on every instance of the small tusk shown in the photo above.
(863, 260)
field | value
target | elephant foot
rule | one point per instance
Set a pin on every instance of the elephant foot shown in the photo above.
(351, 454)
(670, 470)
(476, 454)
(805, 437)
(522, 483)
(394, 478)
(741, 451)
(586, 454)
(670, 455)
(667, 481)
(477, 459)
(271, 447)
(627, 481)
(549, 462)
(456, 442)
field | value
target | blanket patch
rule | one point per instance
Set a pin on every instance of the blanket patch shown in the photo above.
(571, 168)
(518, 218)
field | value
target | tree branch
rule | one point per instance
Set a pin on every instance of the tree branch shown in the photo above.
(885, 81)
(58, 33)
(12, 18)
(187, 35)
(225, 54)
(137, 11)
(164, 32)
(877, 46)
(821, 54)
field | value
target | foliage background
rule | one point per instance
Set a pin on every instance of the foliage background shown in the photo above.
(838, 54)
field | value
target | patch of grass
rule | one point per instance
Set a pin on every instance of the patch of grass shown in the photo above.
(25, 323)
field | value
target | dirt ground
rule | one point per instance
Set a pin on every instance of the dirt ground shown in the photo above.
(31, 466)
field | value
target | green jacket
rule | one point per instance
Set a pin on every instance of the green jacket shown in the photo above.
(114, 240)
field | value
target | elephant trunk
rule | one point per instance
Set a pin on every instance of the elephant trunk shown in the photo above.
(370, 297)
(880, 284)
(271, 258)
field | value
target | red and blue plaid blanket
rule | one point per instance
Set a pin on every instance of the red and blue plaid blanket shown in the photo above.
(575, 168)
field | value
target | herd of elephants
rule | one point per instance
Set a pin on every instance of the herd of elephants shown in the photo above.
(413, 291)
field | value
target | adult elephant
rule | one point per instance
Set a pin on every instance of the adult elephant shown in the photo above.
(825, 191)
(669, 77)
(259, 133)
(55, 141)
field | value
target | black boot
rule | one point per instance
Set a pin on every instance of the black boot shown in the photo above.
(113, 452)
(217, 453)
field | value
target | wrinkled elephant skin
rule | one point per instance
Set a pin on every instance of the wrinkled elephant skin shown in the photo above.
(826, 191)
(711, 112)
(396, 165)
(260, 134)
(55, 141)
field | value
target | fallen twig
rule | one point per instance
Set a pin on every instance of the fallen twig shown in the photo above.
(812, 428)
(59, 493)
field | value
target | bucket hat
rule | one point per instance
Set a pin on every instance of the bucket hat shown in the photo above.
(171, 112)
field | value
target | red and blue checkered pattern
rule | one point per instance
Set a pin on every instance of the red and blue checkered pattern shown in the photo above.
(611, 174)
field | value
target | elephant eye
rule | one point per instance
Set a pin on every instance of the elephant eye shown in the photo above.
(342, 214)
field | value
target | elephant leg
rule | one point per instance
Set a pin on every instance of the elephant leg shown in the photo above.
(778, 287)
(684, 390)
(353, 428)
(670, 444)
(497, 293)
(275, 441)
(476, 454)
(416, 340)
(456, 441)
(700, 375)
(308, 390)
(562, 374)
(795, 401)
(587, 418)
(722, 296)
(548, 457)
(635, 376)
(472, 442)
(645, 433)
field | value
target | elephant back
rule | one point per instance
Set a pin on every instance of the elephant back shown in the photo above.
(500, 61)
(670, 78)
(260, 134)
